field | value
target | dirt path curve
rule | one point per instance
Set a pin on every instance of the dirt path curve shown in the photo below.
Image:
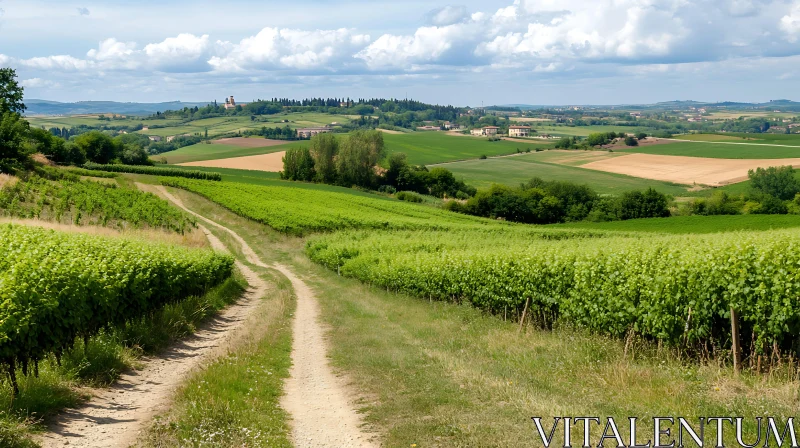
(315, 398)
(115, 417)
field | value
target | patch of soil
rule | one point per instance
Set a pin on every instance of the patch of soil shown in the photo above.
(685, 170)
(272, 162)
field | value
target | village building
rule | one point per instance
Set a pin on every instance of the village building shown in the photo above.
(230, 103)
(519, 131)
(154, 138)
(451, 126)
(310, 132)
(486, 130)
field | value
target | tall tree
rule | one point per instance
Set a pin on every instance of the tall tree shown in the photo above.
(13, 129)
(10, 92)
(324, 148)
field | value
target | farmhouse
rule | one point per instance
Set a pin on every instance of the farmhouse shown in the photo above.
(451, 126)
(310, 132)
(519, 131)
(154, 138)
(486, 130)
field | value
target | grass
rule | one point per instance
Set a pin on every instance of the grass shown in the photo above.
(518, 169)
(213, 151)
(446, 375)
(235, 400)
(693, 224)
(719, 150)
(425, 148)
(101, 361)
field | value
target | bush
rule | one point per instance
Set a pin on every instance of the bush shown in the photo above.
(631, 141)
(482, 157)
(409, 196)
(641, 136)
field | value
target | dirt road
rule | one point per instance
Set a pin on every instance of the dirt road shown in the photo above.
(317, 400)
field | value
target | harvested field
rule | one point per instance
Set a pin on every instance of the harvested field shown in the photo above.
(243, 142)
(686, 170)
(389, 131)
(272, 162)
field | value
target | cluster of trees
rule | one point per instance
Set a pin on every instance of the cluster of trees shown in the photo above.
(92, 146)
(13, 129)
(773, 191)
(548, 202)
(599, 139)
(353, 161)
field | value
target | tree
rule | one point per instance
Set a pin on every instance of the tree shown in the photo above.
(98, 147)
(648, 204)
(298, 165)
(324, 148)
(631, 141)
(357, 158)
(11, 92)
(13, 130)
(597, 139)
(641, 136)
(779, 182)
(134, 155)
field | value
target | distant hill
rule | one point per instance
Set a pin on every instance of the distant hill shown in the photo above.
(44, 107)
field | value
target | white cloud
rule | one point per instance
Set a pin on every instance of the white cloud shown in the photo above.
(182, 47)
(60, 62)
(790, 23)
(111, 49)
(4, 60)
(274, 48)
(427, 45)
(83, 11)
(34, 83)
(448, 15)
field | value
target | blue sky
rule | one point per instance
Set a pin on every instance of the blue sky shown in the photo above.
(463, 53)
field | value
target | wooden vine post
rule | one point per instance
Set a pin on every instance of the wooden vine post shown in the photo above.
(524, 312)
(735, 347)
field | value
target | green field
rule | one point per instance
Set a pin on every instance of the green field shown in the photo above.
(518, 169)
(583, 131)
(213, 151)
(425, 148)
(216, 125)
(692, 224)
(719, 150)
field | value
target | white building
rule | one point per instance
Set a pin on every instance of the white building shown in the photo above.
(519, 131)
(310, 132)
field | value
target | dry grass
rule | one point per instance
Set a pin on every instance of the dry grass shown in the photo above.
(40, 158)
(7, 180)
(194, 239)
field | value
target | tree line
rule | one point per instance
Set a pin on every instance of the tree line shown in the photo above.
(354, 161)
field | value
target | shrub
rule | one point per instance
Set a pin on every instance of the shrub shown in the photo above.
(409, 196)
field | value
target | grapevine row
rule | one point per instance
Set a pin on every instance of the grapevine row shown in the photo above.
(57, 286)
(155, 171)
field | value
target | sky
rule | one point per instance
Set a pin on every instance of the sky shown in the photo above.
(546, 52)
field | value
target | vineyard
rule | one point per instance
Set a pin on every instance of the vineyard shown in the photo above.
(299, 211)
(677, 289)
(154, 171)
(84, 202)
(56, 287)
